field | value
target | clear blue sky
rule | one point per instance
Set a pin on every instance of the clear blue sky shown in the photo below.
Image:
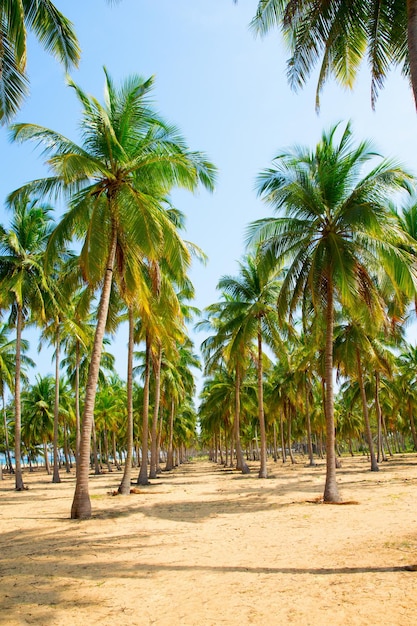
(226, 91)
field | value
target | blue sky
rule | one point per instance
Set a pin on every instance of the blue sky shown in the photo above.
(226, 91)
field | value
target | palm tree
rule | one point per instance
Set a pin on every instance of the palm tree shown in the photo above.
(23, 284)
(52, 29)
(341, 35)
(38, 414)
(253, 315)
(336, 234)
(117, 181)
(7, 377)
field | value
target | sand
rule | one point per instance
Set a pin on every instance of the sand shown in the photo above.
(205, 545)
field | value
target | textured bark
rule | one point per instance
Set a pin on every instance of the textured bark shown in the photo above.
(55, 475)
(263, 472)
(77, 405)
(124, 487)
(331, 492)
(143, 471)
(154, 429)
(18, 407)
(81, 505)
(412, 43)
(368, 433)
(240, 461)
(170, 452)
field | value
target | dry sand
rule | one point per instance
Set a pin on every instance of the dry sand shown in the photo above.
(204, 545)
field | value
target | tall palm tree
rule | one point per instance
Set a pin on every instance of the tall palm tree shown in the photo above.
(52, 29)
(336, 233)
(7, 377)
(340, 35)
(24, 284)
(117, 179)
(253, 308)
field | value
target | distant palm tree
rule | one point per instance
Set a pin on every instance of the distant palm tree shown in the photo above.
(336, 233)
(52, 29)
(117, 180)
(24, 284)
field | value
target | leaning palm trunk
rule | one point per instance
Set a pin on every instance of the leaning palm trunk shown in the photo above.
(240, 462)
(154, 429)
(55, 476)
(381, 452)
(374, 464)
(18, 408)
(124, 487)
(263, 473)
(331, 492)
(143, 472)
(81, 506)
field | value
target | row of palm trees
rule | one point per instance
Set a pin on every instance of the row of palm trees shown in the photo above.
(340, 261)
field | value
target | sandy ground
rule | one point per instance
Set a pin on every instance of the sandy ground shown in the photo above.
(204, 545)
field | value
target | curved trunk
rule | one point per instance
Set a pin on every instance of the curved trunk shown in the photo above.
(81, 505)
(368, 433)
(263, 473)
(55, 475)
(154, 429)
(412, 43)
(143, 472)
(18, 407)
(124, 487)
(331, 492)
(240, 461)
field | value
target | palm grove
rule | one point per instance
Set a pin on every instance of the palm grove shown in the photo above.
(326, 285)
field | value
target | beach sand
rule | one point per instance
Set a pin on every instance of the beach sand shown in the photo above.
(204, 545)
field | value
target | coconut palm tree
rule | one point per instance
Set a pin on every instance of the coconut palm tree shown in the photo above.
(117, 180)
(341, 35)
(53, 31)
(336, 233)
(24, 284)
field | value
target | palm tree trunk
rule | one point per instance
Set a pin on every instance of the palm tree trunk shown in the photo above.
(6, 437)
(331, 492)
(124, 487)
(154, 429)
(412, 425)
(240, 461)
(170, 452)
(412, 43)
(143, 471)
(18, 407)
(381, 451)
(55, 476)
(284, 453)
(81, 505)
(308, 421)
(77, 405)
(263, 472)
(374, 464)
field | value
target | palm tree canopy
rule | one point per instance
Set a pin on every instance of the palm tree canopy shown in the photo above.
(53, 31)
(118, 179)
(340, 36)
(334, 222)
